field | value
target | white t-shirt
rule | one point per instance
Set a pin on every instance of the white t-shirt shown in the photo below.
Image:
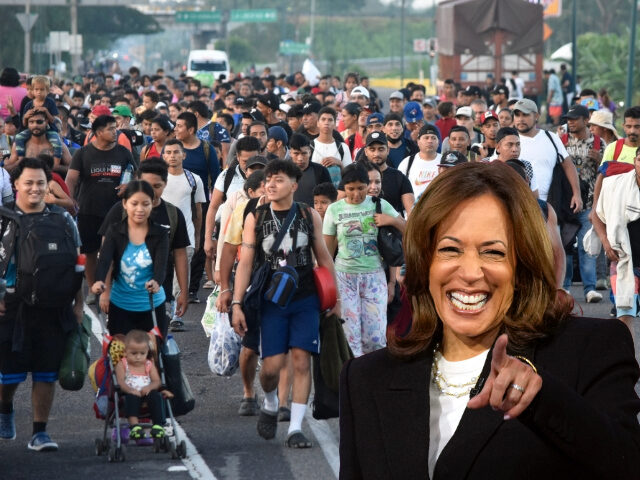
(237, 184)
(178, 192)
(6, 190)
(446, 411)
(322, 150)
(422, 172)
(540, 153)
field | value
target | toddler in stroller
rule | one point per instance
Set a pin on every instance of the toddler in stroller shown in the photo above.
(139, 381)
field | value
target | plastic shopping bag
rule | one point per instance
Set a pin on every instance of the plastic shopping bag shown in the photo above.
(224, 347)
(209, 316)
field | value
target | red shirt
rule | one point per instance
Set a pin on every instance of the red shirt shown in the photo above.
(58, 179)
(445, 125)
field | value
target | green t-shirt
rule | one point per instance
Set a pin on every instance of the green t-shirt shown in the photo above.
(627, 155)
(357, 234)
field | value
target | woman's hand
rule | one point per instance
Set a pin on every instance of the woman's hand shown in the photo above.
(500, 390)
(98, 287)
(382, 219)
(104, 300)
(152, 286)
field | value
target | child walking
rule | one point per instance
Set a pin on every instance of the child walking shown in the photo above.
(139, 379)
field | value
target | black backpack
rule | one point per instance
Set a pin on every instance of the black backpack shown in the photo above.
(46, 257)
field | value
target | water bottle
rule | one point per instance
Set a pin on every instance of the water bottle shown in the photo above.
(126, 175)
(172, 346)
(80, 263)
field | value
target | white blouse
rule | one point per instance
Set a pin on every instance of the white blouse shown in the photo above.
(445, 411)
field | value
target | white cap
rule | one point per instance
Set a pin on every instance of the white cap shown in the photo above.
(464, 112)
(360, 90)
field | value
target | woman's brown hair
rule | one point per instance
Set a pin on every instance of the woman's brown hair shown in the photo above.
(533, 313)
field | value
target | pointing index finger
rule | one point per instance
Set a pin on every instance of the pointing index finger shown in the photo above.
(499, 353)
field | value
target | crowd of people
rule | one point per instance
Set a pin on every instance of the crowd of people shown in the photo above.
(170, 186)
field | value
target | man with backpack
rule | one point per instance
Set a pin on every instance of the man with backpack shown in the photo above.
(98, 169)
(209, 131)
(624, 149)
(585, 150)
(284, 236)
(230, 180)
(422, 167)
(185, 191)
(202, 160)
(36, 311)
(327, 151)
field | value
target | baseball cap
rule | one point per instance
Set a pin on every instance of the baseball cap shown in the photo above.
(360, 90)
(413, 112)
(427, 128)
(376, 137)
(472, 90)
(397, 94)
(500, 89)
(270, 100)
(284, 107)
(452, 158)
(311, 107)
(239, 101)
(429, 101)
(99, 110)
(375, 118)
(83, 121)
(604, 119)
(591, 103)
(526, 106)
(488, 115)
(464, 112)
(576, 111)
(278, 133)
(123, 111)
(256, 160)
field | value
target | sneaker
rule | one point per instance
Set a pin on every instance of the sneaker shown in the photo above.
(7, 426)
(601, 284)
(193, 297)
(593, 297)
(613, 312)
(248, 407)
(208, 285)
(170, 308)
(136, 433)
(157, 431)
(41, 442)
(176, 325)
(91, 299)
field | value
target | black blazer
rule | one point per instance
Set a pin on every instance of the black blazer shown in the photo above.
(582, 425)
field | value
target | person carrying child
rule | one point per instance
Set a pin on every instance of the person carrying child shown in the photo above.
(139, 380)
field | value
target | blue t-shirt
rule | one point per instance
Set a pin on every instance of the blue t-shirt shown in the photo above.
(219, 133)
(136, 268)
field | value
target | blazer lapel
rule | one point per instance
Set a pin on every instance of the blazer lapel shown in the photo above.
(403, 410)
(474, 431)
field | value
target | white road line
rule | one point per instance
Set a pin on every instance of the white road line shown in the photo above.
(326, 439)
(194, 462)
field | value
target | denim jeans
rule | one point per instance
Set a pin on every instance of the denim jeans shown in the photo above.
(586, 262)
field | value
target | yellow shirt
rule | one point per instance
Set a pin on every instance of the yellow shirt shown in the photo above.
(627, 155)
(236, 222)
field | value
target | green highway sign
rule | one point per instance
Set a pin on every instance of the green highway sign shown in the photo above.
(293, 48)
(191, 16)
(255, 15)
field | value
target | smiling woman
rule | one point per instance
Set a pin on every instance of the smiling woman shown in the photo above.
(491, 341)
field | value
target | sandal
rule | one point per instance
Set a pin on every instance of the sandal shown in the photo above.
(157, 431)
(267, 424)
(297, 440)
(284, 414)
(136, 433)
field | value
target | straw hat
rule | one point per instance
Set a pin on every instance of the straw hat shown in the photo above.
(603, 118)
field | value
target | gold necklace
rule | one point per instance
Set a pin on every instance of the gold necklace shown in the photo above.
(446, 388)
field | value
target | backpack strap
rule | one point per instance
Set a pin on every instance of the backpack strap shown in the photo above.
(410, 164)
(555, 147)
(340, 149)
(206, 147)
(194, 186)
(172, 213)
(597, 143)
(305, 212)
(145, 151)
(618, 150)
(231, 169)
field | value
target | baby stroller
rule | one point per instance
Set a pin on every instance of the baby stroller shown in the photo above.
(109, 399)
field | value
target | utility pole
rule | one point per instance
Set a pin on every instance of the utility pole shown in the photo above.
(574, 43)
(632, 52)
(312, 24)
(75, 55)
(402, 42)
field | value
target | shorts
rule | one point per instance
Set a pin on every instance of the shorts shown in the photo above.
(42, 346)
(297, 326)
(555, 110)
(621, 312)
(88, 226)
(123, 321)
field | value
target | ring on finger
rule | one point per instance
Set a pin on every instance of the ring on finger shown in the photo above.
(517, 387)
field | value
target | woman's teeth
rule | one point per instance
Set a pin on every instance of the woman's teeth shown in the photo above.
(463, 301)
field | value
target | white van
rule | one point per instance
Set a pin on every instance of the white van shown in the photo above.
(215, 62)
